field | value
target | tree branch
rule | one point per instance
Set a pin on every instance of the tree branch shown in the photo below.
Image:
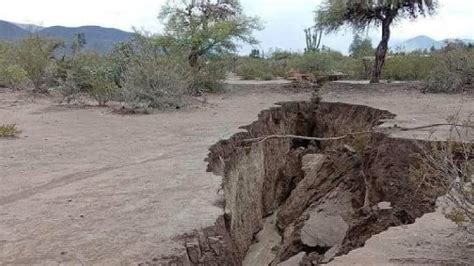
(265, 138)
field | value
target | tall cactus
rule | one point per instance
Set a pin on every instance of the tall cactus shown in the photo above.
(313, 39)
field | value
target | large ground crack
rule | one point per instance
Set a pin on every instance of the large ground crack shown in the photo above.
(329, 196)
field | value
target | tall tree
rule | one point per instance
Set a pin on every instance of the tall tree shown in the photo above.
(203, 27)
(361, 47)
(334, 14)
(78, 42)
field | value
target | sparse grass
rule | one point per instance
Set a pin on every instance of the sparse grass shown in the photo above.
(9, 131)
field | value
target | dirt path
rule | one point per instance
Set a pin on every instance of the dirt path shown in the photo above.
(88, 186)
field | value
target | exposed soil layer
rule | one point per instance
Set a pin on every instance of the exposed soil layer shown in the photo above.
(329, 197)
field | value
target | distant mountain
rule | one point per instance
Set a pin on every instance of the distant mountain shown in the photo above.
(420, 43)
(98, 39)
(416, 44)
(29, 27)
(11, 32)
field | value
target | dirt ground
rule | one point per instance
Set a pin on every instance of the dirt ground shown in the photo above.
(89, 186)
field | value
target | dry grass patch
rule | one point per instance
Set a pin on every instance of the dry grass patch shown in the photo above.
(9, 131)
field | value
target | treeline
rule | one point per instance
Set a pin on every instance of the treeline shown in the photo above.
(449, 69)
(157, 71)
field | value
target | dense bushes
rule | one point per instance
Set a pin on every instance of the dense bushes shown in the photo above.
(408, 67)
(453, 71)
(281, 63)
(154, 72)
(35, 56)
(151, 78)
(11, 74)
(254, 68)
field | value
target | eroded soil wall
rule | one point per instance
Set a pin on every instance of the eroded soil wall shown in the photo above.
(329, 196)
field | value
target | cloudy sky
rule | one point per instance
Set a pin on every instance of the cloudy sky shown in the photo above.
(284, 19)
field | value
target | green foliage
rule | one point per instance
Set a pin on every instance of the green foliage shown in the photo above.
(78, 42)
(453, 71)
(207, 27)
(318, 64)
(334, 14)
(254, 68)
(408, 67)
(152, 78)
(36, 56)
(361, 47)
(91, 74)
(204, 29)
(11, 74)
(9, 131)
(313, 39)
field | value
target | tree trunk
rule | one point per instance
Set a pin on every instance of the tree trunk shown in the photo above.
(193, 59)
(381, 51)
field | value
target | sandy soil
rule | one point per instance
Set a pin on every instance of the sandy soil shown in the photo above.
(89, 186)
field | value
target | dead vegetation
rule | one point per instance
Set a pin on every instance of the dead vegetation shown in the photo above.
(448, 166)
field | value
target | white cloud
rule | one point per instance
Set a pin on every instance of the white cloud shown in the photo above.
(284, 19)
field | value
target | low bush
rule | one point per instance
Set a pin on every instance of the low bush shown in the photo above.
(317, 63)
(91, 74)
(13, 76)
(35, 56)
(9, 131)
(153, 79)
(453, 71)
(210, 75)
(408, 67)
(254, 68)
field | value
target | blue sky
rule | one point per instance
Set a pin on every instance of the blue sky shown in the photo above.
(284, 19)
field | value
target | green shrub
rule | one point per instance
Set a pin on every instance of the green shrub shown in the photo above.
(13, 76)
(36, 56)
(153, 78)
(9, 131)
(408, 67)
(254, 68)
(453, 72)
(93, 75)
(210, 75)
(317, 63)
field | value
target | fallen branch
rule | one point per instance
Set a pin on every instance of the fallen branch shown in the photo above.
(265, 138)
(262, 139)
(433, 125)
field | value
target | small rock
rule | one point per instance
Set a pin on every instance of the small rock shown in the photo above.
(63, 253)
(293, 261)
(385, 205)
(322, 230)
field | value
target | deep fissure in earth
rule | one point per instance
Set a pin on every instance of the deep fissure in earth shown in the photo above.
(329, 197)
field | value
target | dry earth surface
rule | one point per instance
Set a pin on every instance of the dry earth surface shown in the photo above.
(89, 186)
